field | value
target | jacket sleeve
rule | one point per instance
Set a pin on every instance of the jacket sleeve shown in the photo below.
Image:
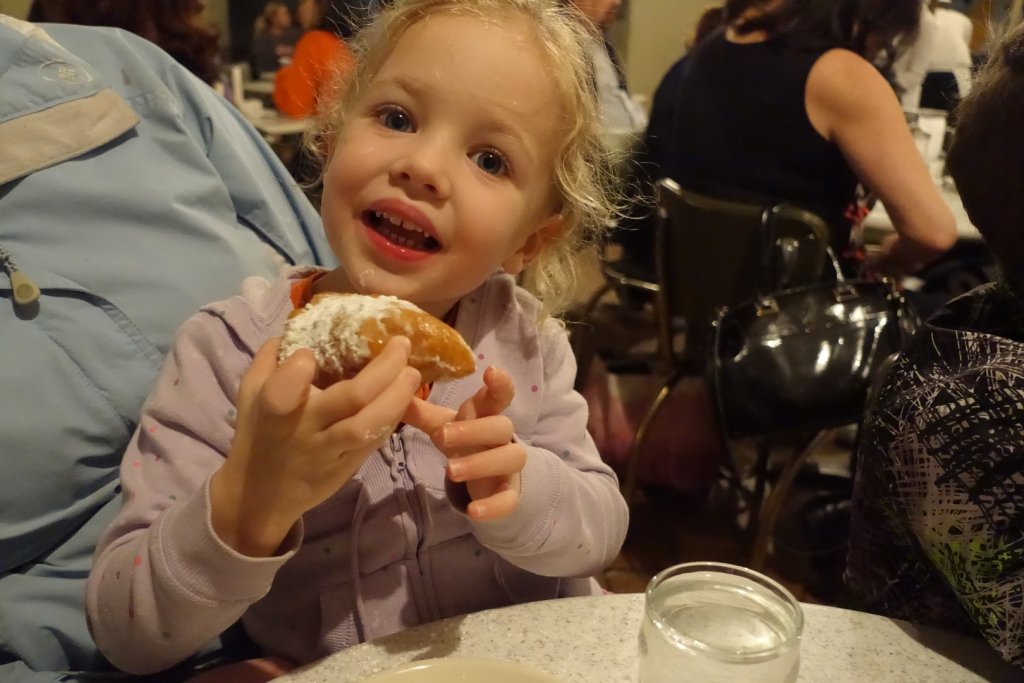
(968, 521)
(298, 86)
(571, 519)
(162, 584)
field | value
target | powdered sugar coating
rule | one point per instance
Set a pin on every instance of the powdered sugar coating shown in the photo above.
(339, 348)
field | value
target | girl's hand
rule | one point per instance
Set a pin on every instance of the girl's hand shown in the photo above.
(478, 441)
(295, 445)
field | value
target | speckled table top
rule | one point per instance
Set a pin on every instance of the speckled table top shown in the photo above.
(585, 640)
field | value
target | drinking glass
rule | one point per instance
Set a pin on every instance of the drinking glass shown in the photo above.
(710, 622)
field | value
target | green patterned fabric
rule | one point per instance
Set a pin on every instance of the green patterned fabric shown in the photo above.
(937, 529)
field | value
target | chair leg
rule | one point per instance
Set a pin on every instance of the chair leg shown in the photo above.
(772, 507)
(581, 338)
(640, 438)
(764, 456)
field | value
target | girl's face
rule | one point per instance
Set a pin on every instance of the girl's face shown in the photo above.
(444, 172)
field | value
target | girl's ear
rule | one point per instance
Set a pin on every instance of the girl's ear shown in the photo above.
(533, 245)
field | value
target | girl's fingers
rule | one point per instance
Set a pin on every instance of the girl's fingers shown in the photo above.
(287, 386)
(427, 417)
(347, 397)
(483, 432)
(263, 363)
(503, 461)
(372, 423)
(492, 398)
(494, 506)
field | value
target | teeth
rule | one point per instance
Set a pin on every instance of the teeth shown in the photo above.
(405, 224)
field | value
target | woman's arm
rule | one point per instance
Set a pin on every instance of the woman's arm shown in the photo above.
(849, 103)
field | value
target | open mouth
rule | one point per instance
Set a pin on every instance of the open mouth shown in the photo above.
(404, 233)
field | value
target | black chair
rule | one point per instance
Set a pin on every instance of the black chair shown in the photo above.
(712, 252)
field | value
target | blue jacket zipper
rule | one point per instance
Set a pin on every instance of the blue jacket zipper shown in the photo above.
(24, 290)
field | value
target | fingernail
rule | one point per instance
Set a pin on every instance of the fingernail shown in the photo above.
(476, 509)
(447, 434)
(454, 471)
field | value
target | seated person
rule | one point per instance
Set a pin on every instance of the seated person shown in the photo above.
(636, 228)
(937, 534)
(619, 113)
(786, 105)
(950, 62)
(273, 38)
(318, 56)
(130, 195)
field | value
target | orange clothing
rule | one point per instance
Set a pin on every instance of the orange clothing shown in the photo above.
(299, 86)
(302, 291)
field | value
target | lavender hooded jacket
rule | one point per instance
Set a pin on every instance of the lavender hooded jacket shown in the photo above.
(387, 551)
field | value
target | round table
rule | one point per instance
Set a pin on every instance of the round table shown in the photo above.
(592, 639)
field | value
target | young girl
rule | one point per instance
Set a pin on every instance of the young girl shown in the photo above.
(463, 152)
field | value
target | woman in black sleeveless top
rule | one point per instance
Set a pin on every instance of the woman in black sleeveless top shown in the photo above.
(783, 104)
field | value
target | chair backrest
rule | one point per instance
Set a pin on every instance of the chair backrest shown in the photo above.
(712, 252)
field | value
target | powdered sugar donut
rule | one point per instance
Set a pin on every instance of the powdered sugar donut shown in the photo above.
(346, 331)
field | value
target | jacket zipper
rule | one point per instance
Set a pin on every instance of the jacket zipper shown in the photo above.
(24, 290)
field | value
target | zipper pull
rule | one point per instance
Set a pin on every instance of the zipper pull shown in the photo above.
(24, 290)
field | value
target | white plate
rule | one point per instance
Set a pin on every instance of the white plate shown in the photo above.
(461, 669)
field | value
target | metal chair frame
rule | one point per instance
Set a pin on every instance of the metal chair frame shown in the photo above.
(692, 286)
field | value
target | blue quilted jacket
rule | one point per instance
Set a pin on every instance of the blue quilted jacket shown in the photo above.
(130, 195)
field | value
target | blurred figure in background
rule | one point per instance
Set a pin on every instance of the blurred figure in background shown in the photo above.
(319, 52)
(911, 65)
(785, 104)
(619, 113)
(273, 38)
(950, 62)
(636, 233)
(175, 25)
(934, 68)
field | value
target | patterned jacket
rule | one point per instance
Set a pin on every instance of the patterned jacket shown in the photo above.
(937, 531)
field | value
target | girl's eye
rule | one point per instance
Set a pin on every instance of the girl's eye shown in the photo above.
(395, 119)
(490, 162)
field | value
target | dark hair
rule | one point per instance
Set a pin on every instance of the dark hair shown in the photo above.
(337, 17)
(171, 24)
(709, 20)
(863, 26)
(986, 158)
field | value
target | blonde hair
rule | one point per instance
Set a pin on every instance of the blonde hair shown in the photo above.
(584, 176)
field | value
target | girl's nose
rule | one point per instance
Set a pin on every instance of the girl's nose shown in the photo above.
(422, 170)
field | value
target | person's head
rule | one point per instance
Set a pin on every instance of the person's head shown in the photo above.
(474, 123)
(986, 156)
(275, 16)
(333, 16)
(709, 20)
(868, 27)
(600, 12)
(175, 25)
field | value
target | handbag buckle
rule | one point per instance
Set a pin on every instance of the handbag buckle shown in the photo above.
(766, 305)
(845, 291)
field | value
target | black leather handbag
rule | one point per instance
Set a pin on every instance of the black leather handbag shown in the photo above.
(802, 360)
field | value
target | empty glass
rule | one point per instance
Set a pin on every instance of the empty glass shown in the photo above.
(710, 622)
